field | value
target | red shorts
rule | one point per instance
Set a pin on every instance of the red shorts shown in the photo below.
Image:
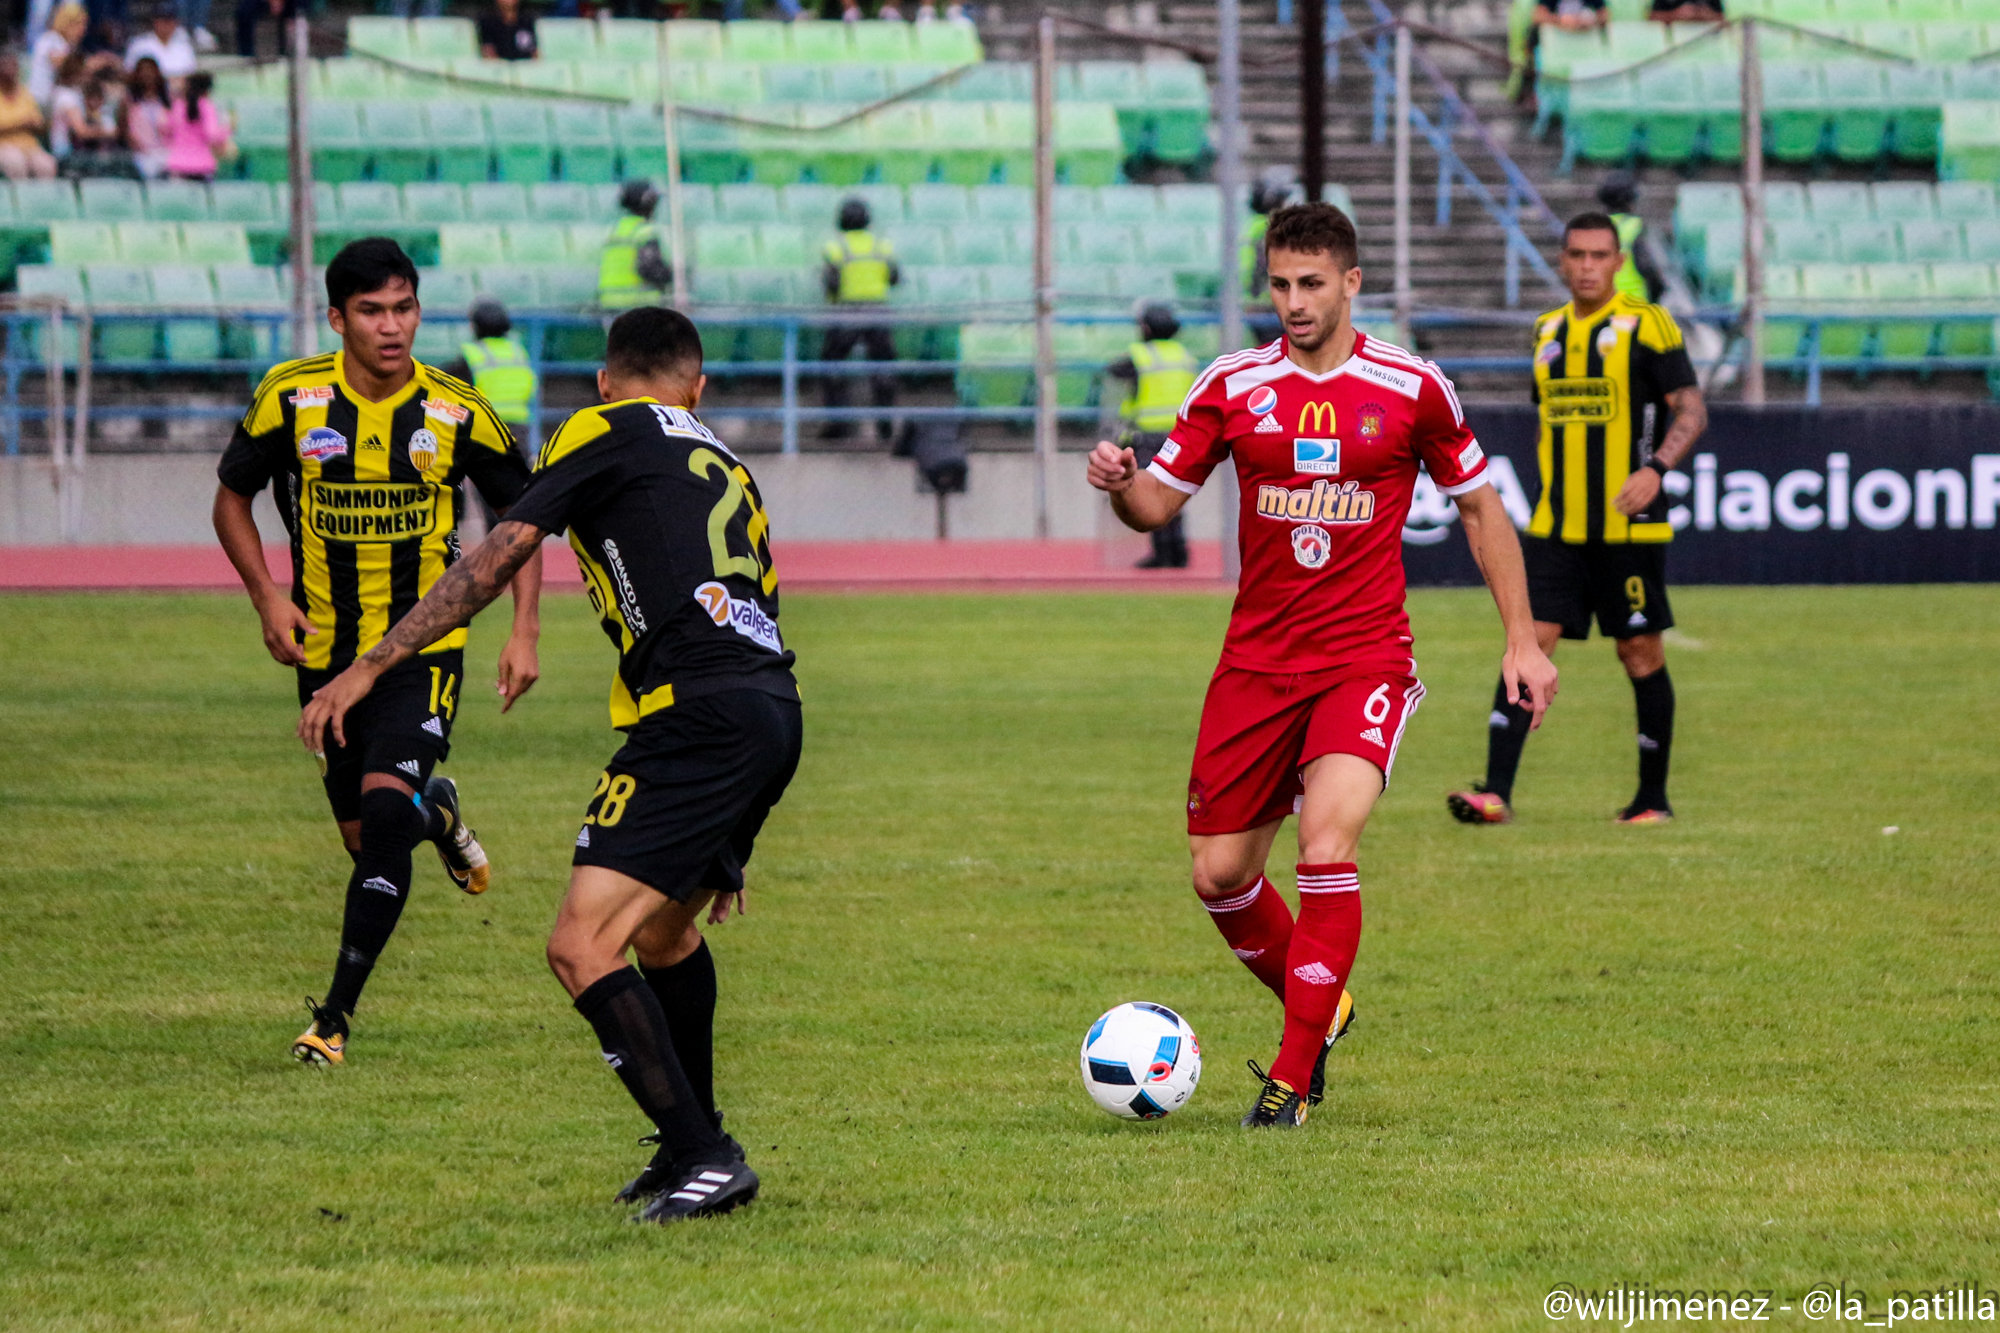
(1259, 730)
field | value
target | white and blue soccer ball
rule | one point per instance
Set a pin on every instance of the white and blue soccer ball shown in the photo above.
(1141, 1061)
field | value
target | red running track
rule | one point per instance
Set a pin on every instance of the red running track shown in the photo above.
(921, 566)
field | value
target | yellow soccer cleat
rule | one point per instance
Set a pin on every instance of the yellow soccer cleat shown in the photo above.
(1343, 1019)
(325, 1041)
(1278, 1106)
(464, 859)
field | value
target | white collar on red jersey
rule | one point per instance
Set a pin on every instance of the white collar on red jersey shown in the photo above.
(1379, 363)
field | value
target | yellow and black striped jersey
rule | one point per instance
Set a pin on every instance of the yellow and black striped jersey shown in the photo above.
(1601, 383)
(670, 532)
(369, 492)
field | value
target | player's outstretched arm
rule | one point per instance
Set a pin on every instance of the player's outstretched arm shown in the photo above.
(520, 664)
(1690, 420)
(465, 589)
(1141, 501)
(236, 529)
(1529, 674)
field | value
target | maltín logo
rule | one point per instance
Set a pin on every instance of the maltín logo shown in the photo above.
(1315, 974)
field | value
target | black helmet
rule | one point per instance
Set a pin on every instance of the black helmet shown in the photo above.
(1619, 193)
(853, 214)
(489, 318)
(1156, 320)
(639, 197)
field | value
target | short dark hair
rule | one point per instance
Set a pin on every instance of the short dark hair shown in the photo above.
(1592, 222)
(1311, 229)
(652, 342)
(367, 265)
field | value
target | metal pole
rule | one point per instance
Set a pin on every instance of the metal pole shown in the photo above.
(676, 226)
(303, 336)
(52, 371)
(1403, 299)
(1312, 97)
(789, 380)
(1753, 215)
(1229, 178)
(1045, 270)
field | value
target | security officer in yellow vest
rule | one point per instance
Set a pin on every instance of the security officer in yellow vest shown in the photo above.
(1161, 372)
(1637, 278)
(630, 271)
(496, 364)
(858, 268)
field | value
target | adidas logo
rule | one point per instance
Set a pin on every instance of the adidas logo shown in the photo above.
(1247, 954)
(380, 885)
(1268, 425)
(1648, 743)
(611, 1058)
(412, 767)
(1374, 734)
(583, 838)
(1636, 619)
(1316, 974)
(1498, 720)
(435, 728)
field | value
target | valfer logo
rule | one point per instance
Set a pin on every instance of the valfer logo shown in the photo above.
(1262, 400)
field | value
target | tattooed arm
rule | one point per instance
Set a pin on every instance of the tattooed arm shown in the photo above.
(464, 590)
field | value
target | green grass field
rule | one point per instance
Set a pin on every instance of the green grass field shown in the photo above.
(1751, 1050)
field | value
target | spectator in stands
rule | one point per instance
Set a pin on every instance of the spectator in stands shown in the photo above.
(1686, 11)
(496, 364)
(630, 270)
(167, 42)
(1161, 372)
(194, 17)
(507, 33)
(64, 36)
(199, 133)
(858, 268)
(22, 156)
(148, 120)
(1572, 15)
(250, 12)
(1639, 278)
(87, 136)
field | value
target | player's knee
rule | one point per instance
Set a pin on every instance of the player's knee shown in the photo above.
(1221, 875)
(390, 821)
(1642, 655)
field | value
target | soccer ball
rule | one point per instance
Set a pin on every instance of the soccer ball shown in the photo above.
(1141, 1061)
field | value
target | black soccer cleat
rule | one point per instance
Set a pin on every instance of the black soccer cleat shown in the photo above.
(704, 1191)
(464, 859)
(1476, 805)
(1642, 813)
(661, 1171)
(1343, 1019)
(1278, 1106)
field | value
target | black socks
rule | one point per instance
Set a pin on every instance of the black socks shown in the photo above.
(1507, 732)
(1654, 695)
(632, 1033)
(686, 992)
(391, 825)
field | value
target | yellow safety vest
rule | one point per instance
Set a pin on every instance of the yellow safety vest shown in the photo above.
(863, 264)
(1252, 252)
(1630, 281)
(500, 370)
(1166, 373)
(619, 286)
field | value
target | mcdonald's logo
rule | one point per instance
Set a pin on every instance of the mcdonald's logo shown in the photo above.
(1320, 415)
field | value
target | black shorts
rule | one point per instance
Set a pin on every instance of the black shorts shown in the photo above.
(402, 728)
(680, 805)
(1623, 585)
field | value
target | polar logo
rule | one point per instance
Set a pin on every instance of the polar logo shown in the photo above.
(1312, 545)
(1263, 400)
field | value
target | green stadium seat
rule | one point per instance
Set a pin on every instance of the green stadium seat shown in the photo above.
(443, 38)
(79, 243)
(261, 138)
(569, 285)
(1177, 95)
(249, 203)
(995, 82)
(879, 42)
(1969, 141)
(565, 201)
(1630, 43)
(121, 287)
(1098, 243)
(111, 200)
(919, 243)
(748, 203)
(812, 204)
(1859, 106)
(915, 74)
(1802, 12)
(446, 288)
(1838, 201)
(1964, 201)
(642, 145)
(724, 245)
(1926, 11)
(583, 136)
(548, 76)
(1191, 203)
(566, 39)
(1670, 111)
(470, 244)
(397, 156)
(768, 286)
(1932, 242)
(177, 201)
(1089, 149)
(1008, 282)
(946, 43)
(684, 39)
(457, 134)
(1135, 204)
(586, 241)
(1176, 245)
(1076, 203)
(247, 287)
(1700, 207)
(496, 201)
(1722, 103)
(1971, 283)
(427, 203)
(962, 137)
(215, 243)
(1603, 113)
(186, 287)
(1905, 285)
(513, 284)
(1903, 201)
(339, 144)
(714, 285)
(369, 206)
(939, 203)
(1982, 241)
(1890, 35)
(794, 83)
(1866, 242)
(1785, 201)
(886, 204)
(522, 150)
(982, 350)
(1794, 111)
(1838, 285)
(1012, 203)
(983, 243)
(60, 280)
(952, 287)
(819, 43)
(756, 41)
(439, 341)
(711, 152)
(784, 245)
(355, 79)
(1973, 83)
(539, 243)
(1146, 281)
(380, 36)
(856, 83)
(1802, 243)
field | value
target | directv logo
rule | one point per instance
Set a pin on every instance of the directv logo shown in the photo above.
(1316, 456)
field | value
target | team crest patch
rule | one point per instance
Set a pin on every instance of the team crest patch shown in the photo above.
(1312, 545)
(1316, 456)
(1197, 797)
(321, 443)
(444, 411)
(1549, 353)
(1263, 400)
(310, 394)
(1607, 339)
(1372, 417)
(423, 449)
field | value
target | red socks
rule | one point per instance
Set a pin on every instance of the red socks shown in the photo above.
(1322, 950)
(1258, 927)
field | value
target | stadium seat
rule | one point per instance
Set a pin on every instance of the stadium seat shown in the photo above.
(1964, 201)
(1802, 243)
(470, 244)
(569, 285)
(1146, 282)
(856, 83)
(1913, 96)
(397, 155)
(177, 201)
(380, 36)
(1838, 201)
(1794, 111)
(1011, 283)
(496, 201)
(1135, 204)
(215, 243)
(1190, 203)
(1838, 285)
(939, 203)
(946, 43)
(354, 79)
(781, 245)
(750, 203)
(1602, 113)
(1722, 103)
(566, 39)
(724, 245)
(982, 350)
(1178, 96)
(1099, 243)
(110, 200)
(1176, 245)
(1906, 285)
(983, 243)
(1982, 241)
(339, 143)
(242, 288)
(966, 152)
(522, 150)
(446, 288)
(1971, 283)
(582, 133)
(637, 41)
(1866, 242)
(1669, 107)
(187, 287)
(1969, 141)
(1785, 201)
(539, 243)
(369, 206)
(442, 38)
(1903, 201)
(879, 43)
(261, 137)
(794, 83)
(565, 201)
(756, 41)
(920, 243)
(79, 243)
(440, 340)
(1859, 109)
(122, 287)
(457, 134)
(1932, 242)
(428, 203)
(44, 201)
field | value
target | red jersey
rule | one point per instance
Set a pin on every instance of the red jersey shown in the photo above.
(1325, 465)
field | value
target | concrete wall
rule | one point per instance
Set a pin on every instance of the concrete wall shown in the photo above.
(146, 499)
